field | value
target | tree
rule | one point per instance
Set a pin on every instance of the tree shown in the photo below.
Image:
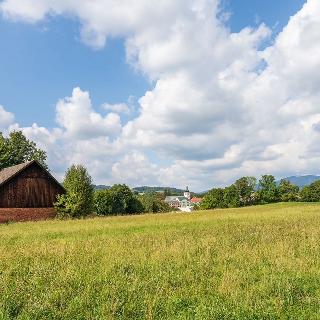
(103, 202)
(213, 199)
(119, 199)
(288, 191)
(167, 192)
(78, 199)
(268, 191)
(245, 187)
(16, 149)
(231, 197)
(153, 203)
(161, 207)
(311, 193)
(148, 200)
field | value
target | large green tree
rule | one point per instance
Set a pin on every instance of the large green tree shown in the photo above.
(231, 197)
(117, 200)
(103, 202)
(246, 187)
(123, 200)
(268, 191)
(288, 191)
(153, 202)
(311, 193)
(78, 200)
(213, 199)
(16, 149)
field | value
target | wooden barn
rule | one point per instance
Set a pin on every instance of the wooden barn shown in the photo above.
(27, 191)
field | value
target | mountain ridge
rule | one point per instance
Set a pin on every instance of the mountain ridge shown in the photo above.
(302, 181)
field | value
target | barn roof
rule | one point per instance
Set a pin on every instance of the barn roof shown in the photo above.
(7, 173)
(10, 172)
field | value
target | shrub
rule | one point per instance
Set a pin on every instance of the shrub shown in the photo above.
(78, 199)
(213, 199)
(288, 191)
(117, 200)
(311, 193)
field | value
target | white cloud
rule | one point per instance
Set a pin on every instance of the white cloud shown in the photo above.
(6, 118)
(135, 169)
(118, 107)
(221, 106)
(76, 115)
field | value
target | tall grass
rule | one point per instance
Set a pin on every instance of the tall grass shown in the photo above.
(252, 263)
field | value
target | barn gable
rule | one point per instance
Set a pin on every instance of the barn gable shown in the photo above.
(28, 185)
(10, 172)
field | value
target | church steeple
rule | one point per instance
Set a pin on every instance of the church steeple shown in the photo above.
(187, 193)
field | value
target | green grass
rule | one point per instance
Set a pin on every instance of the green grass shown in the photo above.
(252, 263)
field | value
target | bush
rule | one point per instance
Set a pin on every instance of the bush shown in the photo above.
(78, 200)
(288, 191)
(103, 202)
(213, 199)
(153, 203)
(117, 200)
(311, 193)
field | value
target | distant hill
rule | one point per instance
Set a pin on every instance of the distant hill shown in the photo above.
(144, 189)
(101, 187)
(157, 189)
(299, 181)
(302, 181)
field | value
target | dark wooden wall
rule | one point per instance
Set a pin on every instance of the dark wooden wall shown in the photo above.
(31, 188)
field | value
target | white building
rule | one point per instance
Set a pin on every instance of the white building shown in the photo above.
(187, 194)
(182, 203)
(177, 201)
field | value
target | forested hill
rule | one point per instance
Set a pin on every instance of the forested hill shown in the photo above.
(158, 189)
(302, 181)
(299, 181)
(101, 187)
(144, 189)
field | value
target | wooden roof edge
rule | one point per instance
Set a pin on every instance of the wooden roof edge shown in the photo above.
(27, 165)
(11, 175)
(48, 172)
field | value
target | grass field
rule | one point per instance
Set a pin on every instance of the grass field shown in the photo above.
(252, 263)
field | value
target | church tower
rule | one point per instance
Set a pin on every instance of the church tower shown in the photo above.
(187, 193)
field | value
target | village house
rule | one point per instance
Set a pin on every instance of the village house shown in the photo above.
(177, 201)
(195, 201)
(183, 203)
(27, 192)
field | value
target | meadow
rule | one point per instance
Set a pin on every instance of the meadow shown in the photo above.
(258, 262)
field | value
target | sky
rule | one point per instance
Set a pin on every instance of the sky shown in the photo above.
(169, 93)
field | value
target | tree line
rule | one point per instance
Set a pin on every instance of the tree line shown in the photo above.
(248, 191)
(81, 199)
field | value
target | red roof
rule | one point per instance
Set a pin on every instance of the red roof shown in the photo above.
(196, 200)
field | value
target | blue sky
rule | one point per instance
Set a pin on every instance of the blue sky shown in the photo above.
(250, 12)
(42, 62)
(164, 93)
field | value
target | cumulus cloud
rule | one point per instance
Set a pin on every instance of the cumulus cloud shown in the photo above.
(118, 107)
(6, 118)
(76, 115)
(221, 106)
(136, 168)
